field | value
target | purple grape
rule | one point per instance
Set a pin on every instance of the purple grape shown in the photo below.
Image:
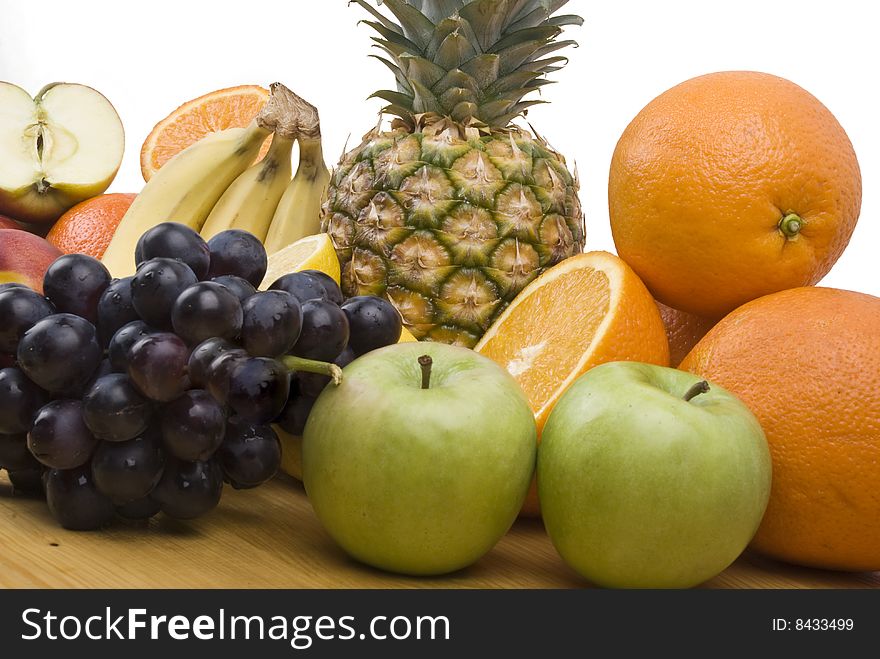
(173, 240)
(189, 489)
(155, 288)
(128, 471)
(139, 509)
(60, 353)
(373, 323)
(115, 309)
(332, 292)
(75, 502)
(20, 309)
(59, 437)
(114, 410)
(258, 389)
(19, 401)
(250, 454)
(272, 323)
(157, 365)
(241, 288)
(193, 425)
(220, 372)
(295, 414)
(14, 453)
(74, 283)
(201, 358)
(324, 332)
(302, 286)
(239, 253)
(206, 310)
(123, 340)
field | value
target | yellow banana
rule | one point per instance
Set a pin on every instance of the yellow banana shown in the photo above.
(299, 211)
(185, 189)
(250, 201)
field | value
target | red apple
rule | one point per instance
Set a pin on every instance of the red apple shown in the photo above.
(9, 223)
(25, 258)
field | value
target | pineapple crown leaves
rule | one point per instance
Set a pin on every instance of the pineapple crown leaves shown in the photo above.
(473, 61)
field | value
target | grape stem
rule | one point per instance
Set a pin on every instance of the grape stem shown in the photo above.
(313, 366)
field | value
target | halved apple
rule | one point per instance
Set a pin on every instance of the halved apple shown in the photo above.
(57, 149)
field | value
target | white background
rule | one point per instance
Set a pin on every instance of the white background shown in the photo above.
(148, 57)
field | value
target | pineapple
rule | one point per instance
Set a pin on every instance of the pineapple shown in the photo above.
(453, 210)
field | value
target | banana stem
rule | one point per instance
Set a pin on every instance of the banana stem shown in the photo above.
(280, 114)
(308, 122)
(299, 212)
(313, 366)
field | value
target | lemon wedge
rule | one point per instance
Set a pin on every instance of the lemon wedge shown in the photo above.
(310, 253)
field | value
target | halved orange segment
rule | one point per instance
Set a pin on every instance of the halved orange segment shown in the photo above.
(590, 309)
(233, 107)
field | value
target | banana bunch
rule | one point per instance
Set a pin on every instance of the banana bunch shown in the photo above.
(214, 184)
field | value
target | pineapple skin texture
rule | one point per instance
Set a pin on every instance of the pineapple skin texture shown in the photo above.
(451, 226)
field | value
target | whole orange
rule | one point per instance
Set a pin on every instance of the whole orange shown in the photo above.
(731, 186)
(88, 227)
(807, 363)
(683, 331)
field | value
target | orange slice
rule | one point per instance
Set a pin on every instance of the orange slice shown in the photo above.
(234, 107)
(590, 309)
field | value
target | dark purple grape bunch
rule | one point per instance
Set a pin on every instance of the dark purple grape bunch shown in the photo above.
(134, 396)
(97, 410)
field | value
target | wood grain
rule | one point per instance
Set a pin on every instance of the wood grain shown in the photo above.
(270, 538)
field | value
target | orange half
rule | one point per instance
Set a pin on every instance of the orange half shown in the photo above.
(233, 107)
(590, 309)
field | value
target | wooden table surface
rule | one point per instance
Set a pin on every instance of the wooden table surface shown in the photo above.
(270, 538)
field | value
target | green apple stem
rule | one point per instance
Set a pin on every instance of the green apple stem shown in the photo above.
(426, 362)
(699, 388)
(313, 366)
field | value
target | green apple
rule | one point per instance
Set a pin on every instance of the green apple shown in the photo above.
(649, 477)
(57, 149)
(418, 467)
